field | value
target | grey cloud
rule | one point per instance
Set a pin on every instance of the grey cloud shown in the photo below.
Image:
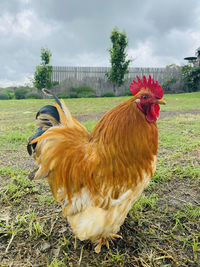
(76, 30)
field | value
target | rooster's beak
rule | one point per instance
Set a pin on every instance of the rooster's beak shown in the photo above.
(161, 101)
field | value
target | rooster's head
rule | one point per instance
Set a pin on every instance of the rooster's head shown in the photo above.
(148, 96)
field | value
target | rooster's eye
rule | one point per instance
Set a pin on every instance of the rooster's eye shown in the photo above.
(145, 97)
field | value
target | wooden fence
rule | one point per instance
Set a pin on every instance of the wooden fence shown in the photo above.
(79, 73)
(94, 77)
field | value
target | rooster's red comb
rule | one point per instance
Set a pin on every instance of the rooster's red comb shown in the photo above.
(154, 87)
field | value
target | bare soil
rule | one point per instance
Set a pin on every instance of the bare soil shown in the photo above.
(163, 114)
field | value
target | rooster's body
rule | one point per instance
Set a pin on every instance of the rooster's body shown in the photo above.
(97, 176)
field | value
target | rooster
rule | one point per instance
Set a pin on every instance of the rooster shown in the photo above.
(98, 176)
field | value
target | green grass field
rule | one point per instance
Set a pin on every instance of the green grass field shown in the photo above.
(162, 228)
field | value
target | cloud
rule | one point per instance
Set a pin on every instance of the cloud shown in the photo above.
(23, 25)
(143, 54)
(78, 32)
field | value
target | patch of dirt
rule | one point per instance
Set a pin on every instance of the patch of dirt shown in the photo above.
(166, 114)
(94, 117)
(163, 114)
(16, 160)
(179, 192)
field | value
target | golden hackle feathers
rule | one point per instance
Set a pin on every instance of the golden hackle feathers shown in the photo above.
(64, 113)
(66, 118)
(125, 142)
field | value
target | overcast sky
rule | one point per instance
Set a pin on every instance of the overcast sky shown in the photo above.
(78, 33)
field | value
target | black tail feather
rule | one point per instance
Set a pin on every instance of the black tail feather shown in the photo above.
(49, 93)
(31, 148)
(51, 110)
(50, 120)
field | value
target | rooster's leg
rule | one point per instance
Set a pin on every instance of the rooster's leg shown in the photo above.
(105, 241)
(102, 241)
(98, 247)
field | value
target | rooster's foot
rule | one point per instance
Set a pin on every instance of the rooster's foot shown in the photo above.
(105, 241)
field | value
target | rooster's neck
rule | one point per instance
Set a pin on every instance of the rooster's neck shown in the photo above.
(126, 128)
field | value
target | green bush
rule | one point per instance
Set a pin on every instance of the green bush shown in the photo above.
(82, 92)
(54, 83)
(11, 95)
(73, 95)
(168, 83)
(20, 93)
(4, 96)
(62, 95)
(108, 94)
(128, 93)
(191, 77)
(9, 92)
(32, 95)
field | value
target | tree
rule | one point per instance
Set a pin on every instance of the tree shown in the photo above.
(42, 75)
(119, 64)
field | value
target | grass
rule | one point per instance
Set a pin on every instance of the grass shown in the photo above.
(181, 102)
(162, 228)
